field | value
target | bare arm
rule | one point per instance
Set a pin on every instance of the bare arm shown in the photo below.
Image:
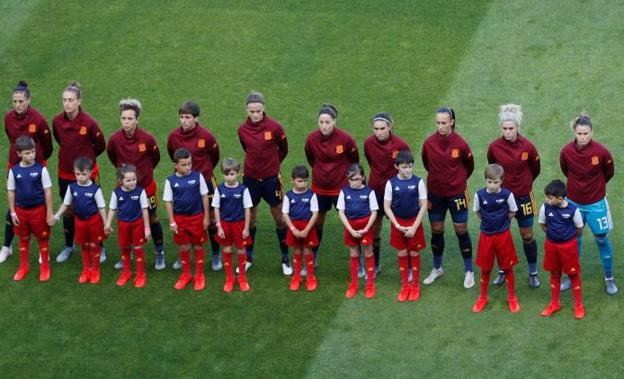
(172, 224)
(146, 223)
(108, 225)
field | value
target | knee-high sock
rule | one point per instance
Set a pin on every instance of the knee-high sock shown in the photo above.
(125, 259)
(85, 253)
(354, 265)
(484, 282)
(200, 258)
(185, 259)
(8, 230)
(319, 234)
(297, 258)
(511, 283)
(404, 269)
(606, 253)
(555, 287)
(377, 250)
(250, 247)
(157, 236)
(415, 264)
(370, 270)
(214, 245)
(95, 258)
(242, 266)
(530, 251)
(309, 261)
(577, 289)
(281, 239)
(465, 246)
(139, 258)
(229, 269)
(68, 230)
(44, 249)
(24, 247)
(437, 247)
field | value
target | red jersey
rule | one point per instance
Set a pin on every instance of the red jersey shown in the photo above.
(330, 157)
(31, 124)
(201, 143)
(520, 161)
(449, 163)
(265, 146)
(380, 156)
(81, 136)
(588, 170)
(140, 150)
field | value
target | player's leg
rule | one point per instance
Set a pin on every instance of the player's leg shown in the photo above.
(311, 281)
(376, 231)
(255, 191)
(354, 262)
(297, 264)
(68, 224)
(369, 259)
(241, 257)
(139, 258)
(228, 267)
(184, 248)
(126, 268)
(200, 258)
(404, 267)
(273, 194)
(7, 250)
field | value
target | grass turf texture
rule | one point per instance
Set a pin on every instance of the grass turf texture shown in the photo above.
(555, 59)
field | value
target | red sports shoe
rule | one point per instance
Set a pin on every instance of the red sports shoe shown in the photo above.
(200, 282)
(183, 280)
(550, 309)
(20, 274)
(351, 291)
(295, 283)
(228, 286)
(95, 277)
(414, 292)
(514, 307)
(140, 281)
(44, 273)
(243, 284)
(311, 283)
(579, 311)
(403, 294)
(480, 304)
(370, 291)
(124, 277)
(84, 276)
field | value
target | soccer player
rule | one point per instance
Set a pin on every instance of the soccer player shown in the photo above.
(563, 224)
(133, 145)
(381, 150)
(357, 207)
(449, 163)
(232, 208)
(130, 203)
(204, 149)
(30, 206)
(78, 135)
(266, 146)
(85, 195)
(495, 206)
(405, 202)
(589, 166)
(521, 163)
(186, 201)
(300, 210)
(23, 120)
(329, 151)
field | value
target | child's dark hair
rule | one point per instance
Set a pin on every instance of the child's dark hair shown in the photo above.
(124, 169)
(494, 171)
(404, 157)
(22, 86)
(449, 111)
(356, 169)
(189, 107)
(83, 164)
(228, 165)
(181, 153)
(300, 172)
(24, 143)
(556, 188)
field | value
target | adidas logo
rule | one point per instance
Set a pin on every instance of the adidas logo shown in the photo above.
(19, 176)
(292, 201)
(222, 195)
(550, 214)
(121, 198)
(485, 202)
(397, 188)
(176, 185)
(348, 197)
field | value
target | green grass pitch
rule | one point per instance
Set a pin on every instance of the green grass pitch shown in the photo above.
(556, 58)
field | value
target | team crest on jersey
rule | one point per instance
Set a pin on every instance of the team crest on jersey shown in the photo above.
(134, 197)
(394, 154)
(339, 149)
(142, 147)
(237, 195)
(192, 182)
(500, 201)
(524, 156)
(34, 174)
(455, 153)
(83, 130)
(305, 200)
(268, 135)
(566, 215)
(201, 143)
(411, 187)
(595, 160)
(363, 197)
(32, 128)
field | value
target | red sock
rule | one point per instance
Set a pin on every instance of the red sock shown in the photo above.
(139, 258)
(485, 282)
(555, 286)
(95, 258)
(44, 249)
(577, 289)
(370, 269)
(241, 260)
(229, 269)
(24, 246)
(125, 259)
(309, 261)
(86, 258)
(200, 258)
(297, 258)
(185, 258)
(511, 283)
(415, 263)
(404, 269)
(354, 262)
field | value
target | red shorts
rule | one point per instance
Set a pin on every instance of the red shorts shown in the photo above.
(32, 220)
(499, 246)
(131, 233)
(358, 224)
(233, 234)
(400, 242)
(308, 242)
(152, 196)
(90, 230)
(562, 256)
(190, 230)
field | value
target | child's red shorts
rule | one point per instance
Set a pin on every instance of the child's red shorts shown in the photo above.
(308, 242)
(562, 256)
(131, 233)
(499, 246)
(190, 230)
(233, 234)
(90, 230)
(400, 242)
(32, 220)
(358, 224)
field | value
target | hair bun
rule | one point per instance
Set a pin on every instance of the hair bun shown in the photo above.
(22, 83)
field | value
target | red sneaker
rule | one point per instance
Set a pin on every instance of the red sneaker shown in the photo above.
(95, 277)
(403, 294)
(311, 283)
(228, 286)
(579, 311)
(370, 291)
(44, 273)
(124, 277)
(414, 292)
(295, 283)
(351, 291)
(84, 276)
(140, 281)
(550, 309)
(514, 307)
(480, 304)
(183, 280)
(243, 284)
(200, 282)
(20, 274)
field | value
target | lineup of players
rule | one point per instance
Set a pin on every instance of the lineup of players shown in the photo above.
(333, 156)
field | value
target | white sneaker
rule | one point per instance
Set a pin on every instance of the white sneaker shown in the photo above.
(159, 261)
(361, 271)
(435, 274)
(286, 269)
(304, 272)
(118, 265)
(102, 255)
(6, 252)
(64, 254)
(469, 279)
(177, 265)
(216, 263)
(247, 267)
